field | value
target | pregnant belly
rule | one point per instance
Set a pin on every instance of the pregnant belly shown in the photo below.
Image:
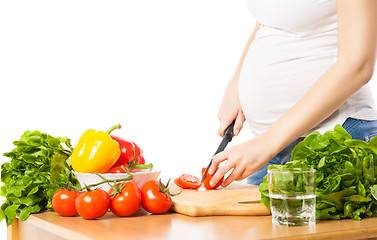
(270, 85)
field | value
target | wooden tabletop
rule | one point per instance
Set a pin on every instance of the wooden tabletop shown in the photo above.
(49, 225)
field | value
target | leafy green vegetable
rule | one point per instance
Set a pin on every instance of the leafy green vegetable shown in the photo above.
(346, 170)
(38, 167)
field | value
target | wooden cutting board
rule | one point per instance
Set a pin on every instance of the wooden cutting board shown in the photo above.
(238, 199)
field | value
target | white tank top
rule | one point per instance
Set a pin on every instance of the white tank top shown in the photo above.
(295, 45)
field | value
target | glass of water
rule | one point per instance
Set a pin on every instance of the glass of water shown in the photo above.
(292, 196)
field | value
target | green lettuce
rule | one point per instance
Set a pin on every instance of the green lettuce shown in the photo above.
(346, 168)
(38, 167)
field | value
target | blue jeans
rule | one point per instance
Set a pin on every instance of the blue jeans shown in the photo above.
(357, 128)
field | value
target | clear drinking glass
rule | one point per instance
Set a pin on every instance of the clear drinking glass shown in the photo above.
(292, 196)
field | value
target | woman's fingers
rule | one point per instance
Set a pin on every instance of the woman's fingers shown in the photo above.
(239, 123)
(240, 119)
(234, 175)
(244, 174)
(219, 172)
(223, 126)
(216, 160)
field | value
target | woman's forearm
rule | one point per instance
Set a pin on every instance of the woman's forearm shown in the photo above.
(323, 99)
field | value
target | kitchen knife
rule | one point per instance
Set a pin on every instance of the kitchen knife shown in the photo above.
(228, 135)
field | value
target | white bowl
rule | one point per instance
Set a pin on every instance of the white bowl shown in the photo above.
(139, 178)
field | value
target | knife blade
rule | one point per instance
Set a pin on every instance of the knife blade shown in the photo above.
(228, 135)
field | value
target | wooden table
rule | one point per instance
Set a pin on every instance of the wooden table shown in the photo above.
(49, 225)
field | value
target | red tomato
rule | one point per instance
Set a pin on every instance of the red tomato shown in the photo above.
(63, 202)
(208, 179)
(155, 197)
(188, 181)
(178, 184)
(93, 204)
(128, 201)
(117, 169)
(127, 151)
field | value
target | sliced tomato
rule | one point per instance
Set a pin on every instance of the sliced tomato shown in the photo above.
(178, 184)
(208, 179)
(188, 181)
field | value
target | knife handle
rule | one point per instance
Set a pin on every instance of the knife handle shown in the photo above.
(228, 133)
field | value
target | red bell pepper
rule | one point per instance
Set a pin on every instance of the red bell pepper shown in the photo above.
(128, 152)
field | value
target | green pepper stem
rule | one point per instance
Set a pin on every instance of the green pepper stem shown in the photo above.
(134, 165)
(118, 126)
(140, 166)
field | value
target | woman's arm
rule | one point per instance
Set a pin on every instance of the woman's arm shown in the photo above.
(357, 47)
(230, 107)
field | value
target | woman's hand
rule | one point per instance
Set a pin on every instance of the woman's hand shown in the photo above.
(230, 109)
(245, 159)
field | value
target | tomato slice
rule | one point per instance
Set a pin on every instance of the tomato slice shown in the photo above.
(208, 179)
(178, 184)
(188, 181)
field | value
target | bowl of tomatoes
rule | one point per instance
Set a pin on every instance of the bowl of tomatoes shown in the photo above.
(139, 177)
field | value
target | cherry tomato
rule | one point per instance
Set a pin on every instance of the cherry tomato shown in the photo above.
(127, 151)
(208, 179)
(155, 197)
(63, 202)
(117, 169)
(92, 204)
(127, 201)
(188, 181)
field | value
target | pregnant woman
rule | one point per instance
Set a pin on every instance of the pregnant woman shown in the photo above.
(305, 68)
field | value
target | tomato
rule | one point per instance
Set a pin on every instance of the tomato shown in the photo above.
(132, 168)
(63, 202)
(127, 201)
(155, 197)
(188, 181)
(208, 179)
(93, 204)
(178, 184)
(117, 169)
(127, 151)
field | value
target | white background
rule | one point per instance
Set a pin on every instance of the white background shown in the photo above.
(159, 68)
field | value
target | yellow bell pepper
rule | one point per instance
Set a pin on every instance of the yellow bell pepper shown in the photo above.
(95, 152)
